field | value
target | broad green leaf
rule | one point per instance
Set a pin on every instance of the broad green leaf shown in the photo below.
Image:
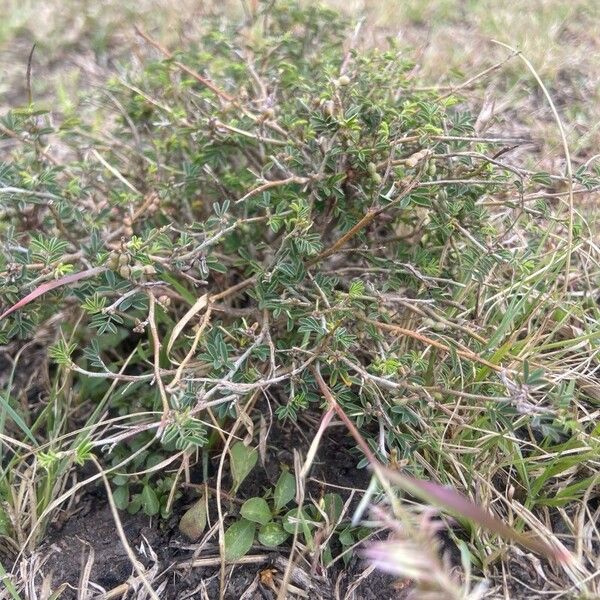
(150, 502)
(285, 490)
(193, 522)
(120, 480)
(154, 459)
(238, 539)
(135, 505)
(346, 538)
(298, 518)
(121, 497)
(243, 460)
(256, 510)
(272, 534)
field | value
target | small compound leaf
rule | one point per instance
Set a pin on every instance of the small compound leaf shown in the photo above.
(193, 522)
(243, 460)
(272, 534)
(256, 510)
(238, 539)
(285, 490)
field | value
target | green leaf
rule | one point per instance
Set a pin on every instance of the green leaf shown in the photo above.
(135, 505)
(346, 538)
(357, 288)
(150, 503)
(121, 497)
(4, 523)
(311, 325)
(238, 539)
(61, 352)
(298, 517)
(5, 406)
(272, 534)
(557, 467)
(542, 177)
(9, 585)
(570, 493)
(243, 460)
(193, 522)
(285, 490)
(256, 510)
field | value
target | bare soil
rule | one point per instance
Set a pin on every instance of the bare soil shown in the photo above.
(162, 549)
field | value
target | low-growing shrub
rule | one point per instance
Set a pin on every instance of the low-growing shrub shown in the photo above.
(228, 217)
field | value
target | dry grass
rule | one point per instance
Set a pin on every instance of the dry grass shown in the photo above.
(449, 39)
(453, 40)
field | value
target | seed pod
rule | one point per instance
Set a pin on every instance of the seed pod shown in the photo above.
(164, 300)
(439, 326)
(125, 271)
(124, 259)
(431, 169)
(328, 108)
(149, 270)
(268, 113)
(343, 80)
(139, 326)
(377, 178)
(113, 261)
(372, 168)
(128, 231)
(418, 157)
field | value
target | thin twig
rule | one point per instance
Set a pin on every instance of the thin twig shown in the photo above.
(271, 184)
(157, 374)
(203, 80)
(430, 342)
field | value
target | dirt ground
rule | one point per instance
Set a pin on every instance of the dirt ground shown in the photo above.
(86, 548)
(89, 534)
